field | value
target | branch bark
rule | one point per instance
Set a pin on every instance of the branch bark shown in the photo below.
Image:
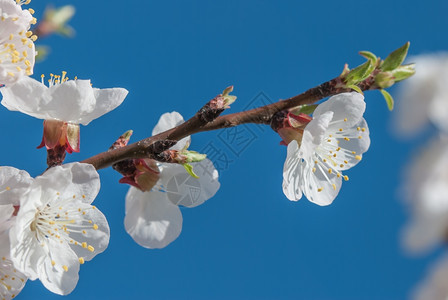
(262, 115)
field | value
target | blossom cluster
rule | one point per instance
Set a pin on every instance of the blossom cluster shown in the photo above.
(48, 225)
(422, 100)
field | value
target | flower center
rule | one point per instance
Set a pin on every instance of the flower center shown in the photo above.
(63, 222)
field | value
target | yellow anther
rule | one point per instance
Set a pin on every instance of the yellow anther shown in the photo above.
(363, 129)
(11, 74)
(74, 196)
(347, 139)
(358, 128)
(358, 157)
(330, 171)
(81, 260)
(33, 38)
(339, 148)
(84, 232)
(353, 152)
(329, 140)
(8, 188)
(65, 268)
(83, 196)
(33, 20)
(359, 137)
(53, 262)
(84, 245)
(346, 178)
(90, 248)
(28, 34)
(345, 162)
(31, 11)
(320, 190)
(18, 68)
(345, 120)
(334, 155)
(340, 129)
(334, 186)
(11, 36)
(95, 226)
(324, 160)
(341, 165)
(314, 170)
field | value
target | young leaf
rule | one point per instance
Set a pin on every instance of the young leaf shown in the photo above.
(395, 59)
(189, 169)
(388, 98)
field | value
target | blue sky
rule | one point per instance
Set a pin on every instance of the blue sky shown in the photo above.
(249, 241)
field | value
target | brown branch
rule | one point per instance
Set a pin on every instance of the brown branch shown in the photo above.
(148, 148)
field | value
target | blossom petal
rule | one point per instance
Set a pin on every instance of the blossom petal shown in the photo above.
(168, 121)
(22, 97)
(59, 271)
(347, 109)
(13, 184)
(314, 134)
(292, 173)
(12, 281)
(320, 186)
(151, 219)
(183, 189)
(106, 101)
(76, 180)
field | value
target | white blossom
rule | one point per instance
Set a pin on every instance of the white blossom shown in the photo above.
(13, 184)
(435, 286)
(72, 101)
(424, 96)
(426, 192)
(57, 228)
(153, 218)
(332, 142)
(18, 53)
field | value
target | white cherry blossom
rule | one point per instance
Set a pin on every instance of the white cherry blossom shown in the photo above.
(426, 192)
(153, 218)
(18, 52)
(435, 286)
(424, 96)
(332, 142)
(57, 228)
(71, 101)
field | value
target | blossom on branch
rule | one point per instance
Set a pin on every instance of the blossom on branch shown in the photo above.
(57, 228)
(64, 104)
(333, 141)
(435, 286)
(153, 217)
(17, 43)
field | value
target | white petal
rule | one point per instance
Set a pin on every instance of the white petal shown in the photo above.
(183, 189)
(54, 277)
(6, 212)
(74, 179)
(96, 235)
(13, 184)
(292, 173)
(68, 101)
(12, 281)
(314, 134)
(349, 106)
(106, 101)
(151, 219)
(24, 97)
(320, 186)
(168, 121)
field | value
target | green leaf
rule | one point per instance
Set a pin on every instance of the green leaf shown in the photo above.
(395, 59)
(369, 55)
(355, 88)
(189, 169)
(359, 73)
(307, 109)
(389, 99)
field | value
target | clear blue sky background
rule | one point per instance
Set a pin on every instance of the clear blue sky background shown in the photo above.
(249, 241)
